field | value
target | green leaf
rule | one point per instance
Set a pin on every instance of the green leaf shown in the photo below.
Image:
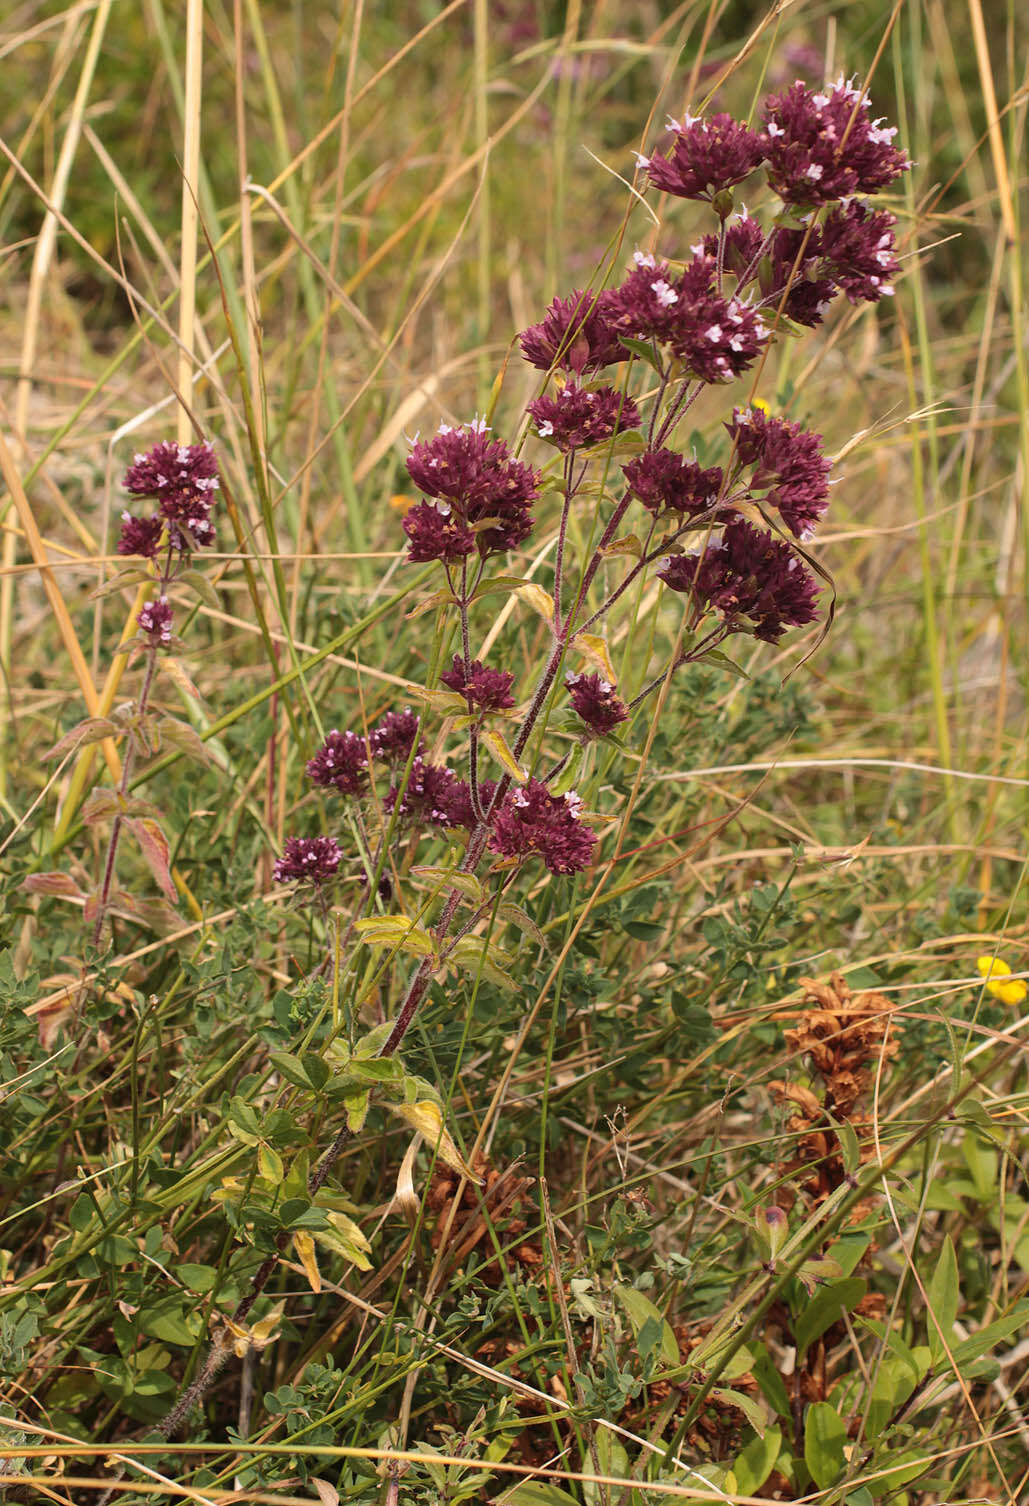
(516, 916)
(639, 1309)
(269, 1163)
(372, 1043)
(715, 656)
(316, 1068)
(356, 1105)
(116, 1250)
(470, 953)
(643, 349)
(994, 1333)
(243, 1122)
(167, 1321)
(82, 1213)
(503, 583)
(450, 878)
(755, 1463)
(503, 754)
(181, 735)
(943, 1294)
(199, 1278)
(377, 1069)
(538, 1493)
(982, 1163)
(772, 1386)
(752, 1410)
(824, 1439)
(824, 1310)
(395, 931)
(291, 1068)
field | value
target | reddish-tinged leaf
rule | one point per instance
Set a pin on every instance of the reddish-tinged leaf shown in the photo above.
(184, 737)
(154, 846)
(101, 806)
(60, 884)
(93, 730)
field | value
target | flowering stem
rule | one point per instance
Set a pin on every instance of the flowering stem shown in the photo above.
(559, 553)
(689, 656)
(107, 883)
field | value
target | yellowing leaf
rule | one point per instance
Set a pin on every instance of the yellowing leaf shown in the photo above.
(427, 1119)
(629, 543)
(594, 648)
(541, 601)
(266, 1328)
(269, 1163)
(502, 753)
(303, 1243)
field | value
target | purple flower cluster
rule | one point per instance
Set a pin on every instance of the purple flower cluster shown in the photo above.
(857, 249)
(579, 416)
(140, 536)
(823, 146)
(532, 821)
(852, 251)
(308, 860)
(576, 333)
(482, 495)
(646, 305)
(715, 338)
(182, 480)
(594, 700)
(155, 621)
(755, 581)
(664, 481)
(341, 764)
(436, 795)
(484, 689)
(789, 259)
(707, 157)
(788, 465)
(392, 738)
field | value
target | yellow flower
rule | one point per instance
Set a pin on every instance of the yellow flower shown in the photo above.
(994, 970)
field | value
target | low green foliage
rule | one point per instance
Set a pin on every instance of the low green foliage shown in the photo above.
(689, 1167)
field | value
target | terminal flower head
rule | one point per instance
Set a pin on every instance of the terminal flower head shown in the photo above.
(310, 860)
(532, 821)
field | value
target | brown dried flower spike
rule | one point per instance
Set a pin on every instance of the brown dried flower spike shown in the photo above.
(844, 1035)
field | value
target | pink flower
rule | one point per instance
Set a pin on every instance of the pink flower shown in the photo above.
(788, 462)
(182, 479)
(484, 689)
(824, 146)
(578, 416)
(753, 580)
(665, 482)
(309, 860)
(341, 764)
(858, 247)
(533, 821)
(708, 156)
(140, 536)
(575, 333)
(155, 620)
(473, 478)
(595, 701)
(392, 738)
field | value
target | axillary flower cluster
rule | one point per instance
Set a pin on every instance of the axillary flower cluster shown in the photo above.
(624, 366)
